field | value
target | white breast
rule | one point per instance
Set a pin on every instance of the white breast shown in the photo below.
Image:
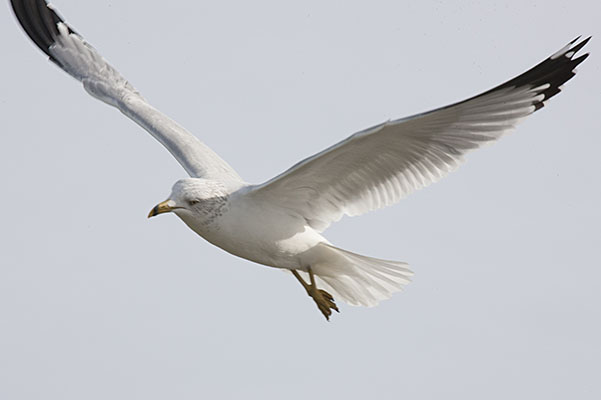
(264, 234)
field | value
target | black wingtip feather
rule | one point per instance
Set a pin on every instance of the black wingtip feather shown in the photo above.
(39, 21)
(24, 18)
(580, 45)
(46, 18)
(557, 71)
(554, 72)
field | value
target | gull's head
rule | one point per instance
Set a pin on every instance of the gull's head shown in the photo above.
(190, 195)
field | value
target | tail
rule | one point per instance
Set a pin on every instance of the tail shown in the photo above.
(357, 279)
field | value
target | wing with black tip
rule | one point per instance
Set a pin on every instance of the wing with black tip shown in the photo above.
(69, 51)
(381, 165)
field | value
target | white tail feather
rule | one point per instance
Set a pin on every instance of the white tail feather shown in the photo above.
(357, 279)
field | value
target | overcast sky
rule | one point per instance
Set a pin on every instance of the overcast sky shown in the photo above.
(97, 302)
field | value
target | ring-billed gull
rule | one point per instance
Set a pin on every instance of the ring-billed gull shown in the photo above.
(279, 223)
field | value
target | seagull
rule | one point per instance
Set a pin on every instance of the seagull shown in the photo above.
(280, 223)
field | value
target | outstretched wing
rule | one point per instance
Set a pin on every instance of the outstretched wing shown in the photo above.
(379, 166)
(70, 52)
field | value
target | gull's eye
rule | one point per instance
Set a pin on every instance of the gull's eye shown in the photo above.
(193, 202)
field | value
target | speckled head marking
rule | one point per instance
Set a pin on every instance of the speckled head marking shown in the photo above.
(204, 200)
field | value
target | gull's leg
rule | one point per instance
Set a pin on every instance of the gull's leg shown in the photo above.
(324, 300)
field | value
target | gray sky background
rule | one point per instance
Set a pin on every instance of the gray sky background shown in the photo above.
(97, 302)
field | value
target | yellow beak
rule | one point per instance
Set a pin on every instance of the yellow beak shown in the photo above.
(161, 208)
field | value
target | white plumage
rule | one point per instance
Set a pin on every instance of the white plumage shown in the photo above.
(279, 223)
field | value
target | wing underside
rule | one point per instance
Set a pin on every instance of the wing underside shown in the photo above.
(74, 55)
(381, 165)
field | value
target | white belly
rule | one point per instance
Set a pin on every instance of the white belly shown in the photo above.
(268, 236)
